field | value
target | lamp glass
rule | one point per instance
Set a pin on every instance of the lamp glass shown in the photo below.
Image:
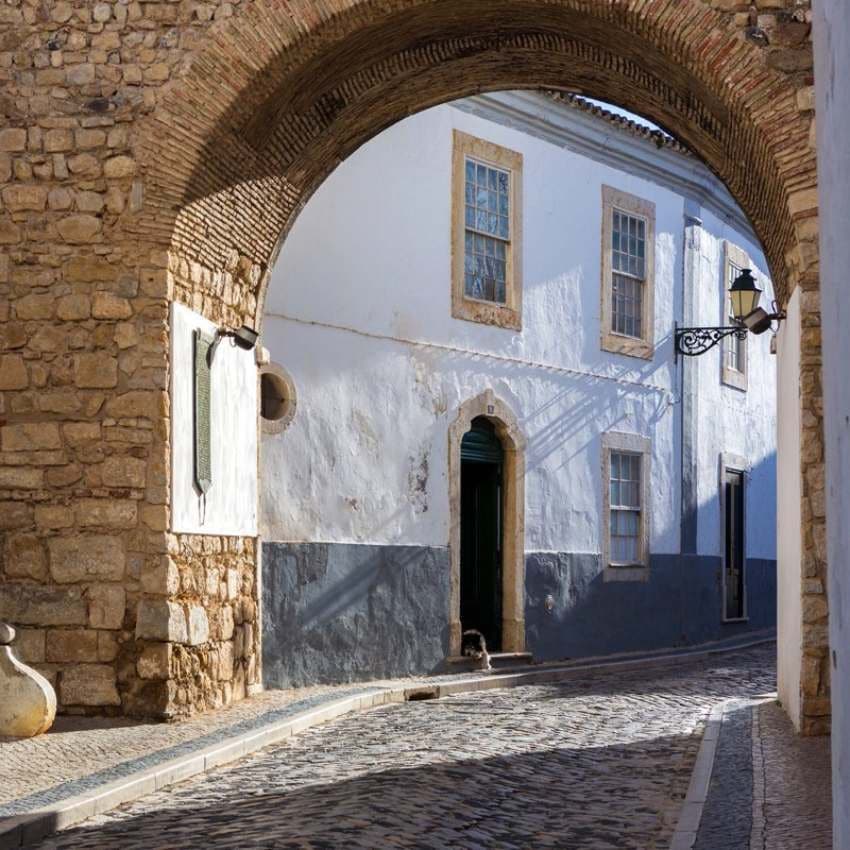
(744, 294)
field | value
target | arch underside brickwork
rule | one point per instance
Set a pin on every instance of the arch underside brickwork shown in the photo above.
(233, 116)
(265, 116)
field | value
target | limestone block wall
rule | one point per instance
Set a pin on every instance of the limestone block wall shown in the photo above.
(201, 635)
(155, 151)
(84, 405)
(815, 664)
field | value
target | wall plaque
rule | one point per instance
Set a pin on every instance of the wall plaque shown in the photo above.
(203, 447)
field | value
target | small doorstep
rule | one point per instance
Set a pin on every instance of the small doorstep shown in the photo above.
(505, 660)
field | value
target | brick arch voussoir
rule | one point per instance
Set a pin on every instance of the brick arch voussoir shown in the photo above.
(283, 92)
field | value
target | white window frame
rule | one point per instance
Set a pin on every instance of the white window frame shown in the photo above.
(507, 314)
(615, 441)
(733, 255)
(644, 345)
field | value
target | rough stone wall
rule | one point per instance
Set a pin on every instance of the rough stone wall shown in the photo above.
(815, 675)
(84, 347)
(152, 151)
(201, 632)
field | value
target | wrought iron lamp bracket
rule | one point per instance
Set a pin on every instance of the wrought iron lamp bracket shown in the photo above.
(691, 342)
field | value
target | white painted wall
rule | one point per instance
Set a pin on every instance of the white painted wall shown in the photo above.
(359, 312)
(230, 505)
(789, 579)
(832, 74)
(728, 419)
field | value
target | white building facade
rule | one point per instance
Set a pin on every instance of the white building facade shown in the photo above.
(476, 314)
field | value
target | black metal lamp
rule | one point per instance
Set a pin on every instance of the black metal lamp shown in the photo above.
(744, 295)
(244, 338)
(756, 319)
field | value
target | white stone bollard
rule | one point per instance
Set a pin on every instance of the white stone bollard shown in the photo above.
(27, 700)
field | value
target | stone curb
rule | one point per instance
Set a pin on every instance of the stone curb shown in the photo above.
(685, 835)
(22, 830)
(687, 828)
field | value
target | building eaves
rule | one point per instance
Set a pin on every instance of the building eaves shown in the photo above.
(625, 125)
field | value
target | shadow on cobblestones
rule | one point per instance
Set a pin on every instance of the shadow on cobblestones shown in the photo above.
(532, 800)
(600, 761)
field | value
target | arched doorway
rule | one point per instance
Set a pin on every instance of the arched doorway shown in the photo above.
(481, 488)
(487, 451)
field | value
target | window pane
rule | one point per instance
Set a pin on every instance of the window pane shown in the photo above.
(626, 305)
(628, 244)
(625, 480)
(488, 190)
(625, 543)
(488, 272)
(488, 214)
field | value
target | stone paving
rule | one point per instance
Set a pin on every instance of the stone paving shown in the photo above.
(727, 818)
(598, 761)
(770, 788)
(80, 752)
(797, 804)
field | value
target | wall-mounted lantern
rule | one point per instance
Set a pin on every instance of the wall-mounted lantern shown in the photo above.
(744, 295)
(244, 338)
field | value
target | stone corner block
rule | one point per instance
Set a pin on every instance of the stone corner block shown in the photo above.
(159, 619)
(27, 701)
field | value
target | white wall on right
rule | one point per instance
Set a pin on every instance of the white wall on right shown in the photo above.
(832, 75)
(789, 579)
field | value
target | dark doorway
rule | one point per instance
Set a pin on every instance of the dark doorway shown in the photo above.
(735, 551)
(481, 532)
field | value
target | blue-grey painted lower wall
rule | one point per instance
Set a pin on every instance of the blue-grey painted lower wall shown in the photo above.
(335, 612)
(680, 604)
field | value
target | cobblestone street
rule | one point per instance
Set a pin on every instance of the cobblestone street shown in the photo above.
(601, 761)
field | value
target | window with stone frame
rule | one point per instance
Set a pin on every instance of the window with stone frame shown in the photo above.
(487, 231)
(486, 225)
(625, 507)
(628, 234)
(733, 370)
(626, 504)
(628, 273)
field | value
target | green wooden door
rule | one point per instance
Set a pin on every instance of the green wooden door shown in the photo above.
(481, 533)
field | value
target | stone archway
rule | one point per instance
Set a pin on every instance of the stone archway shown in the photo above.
(171, 173)
(488, 405)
